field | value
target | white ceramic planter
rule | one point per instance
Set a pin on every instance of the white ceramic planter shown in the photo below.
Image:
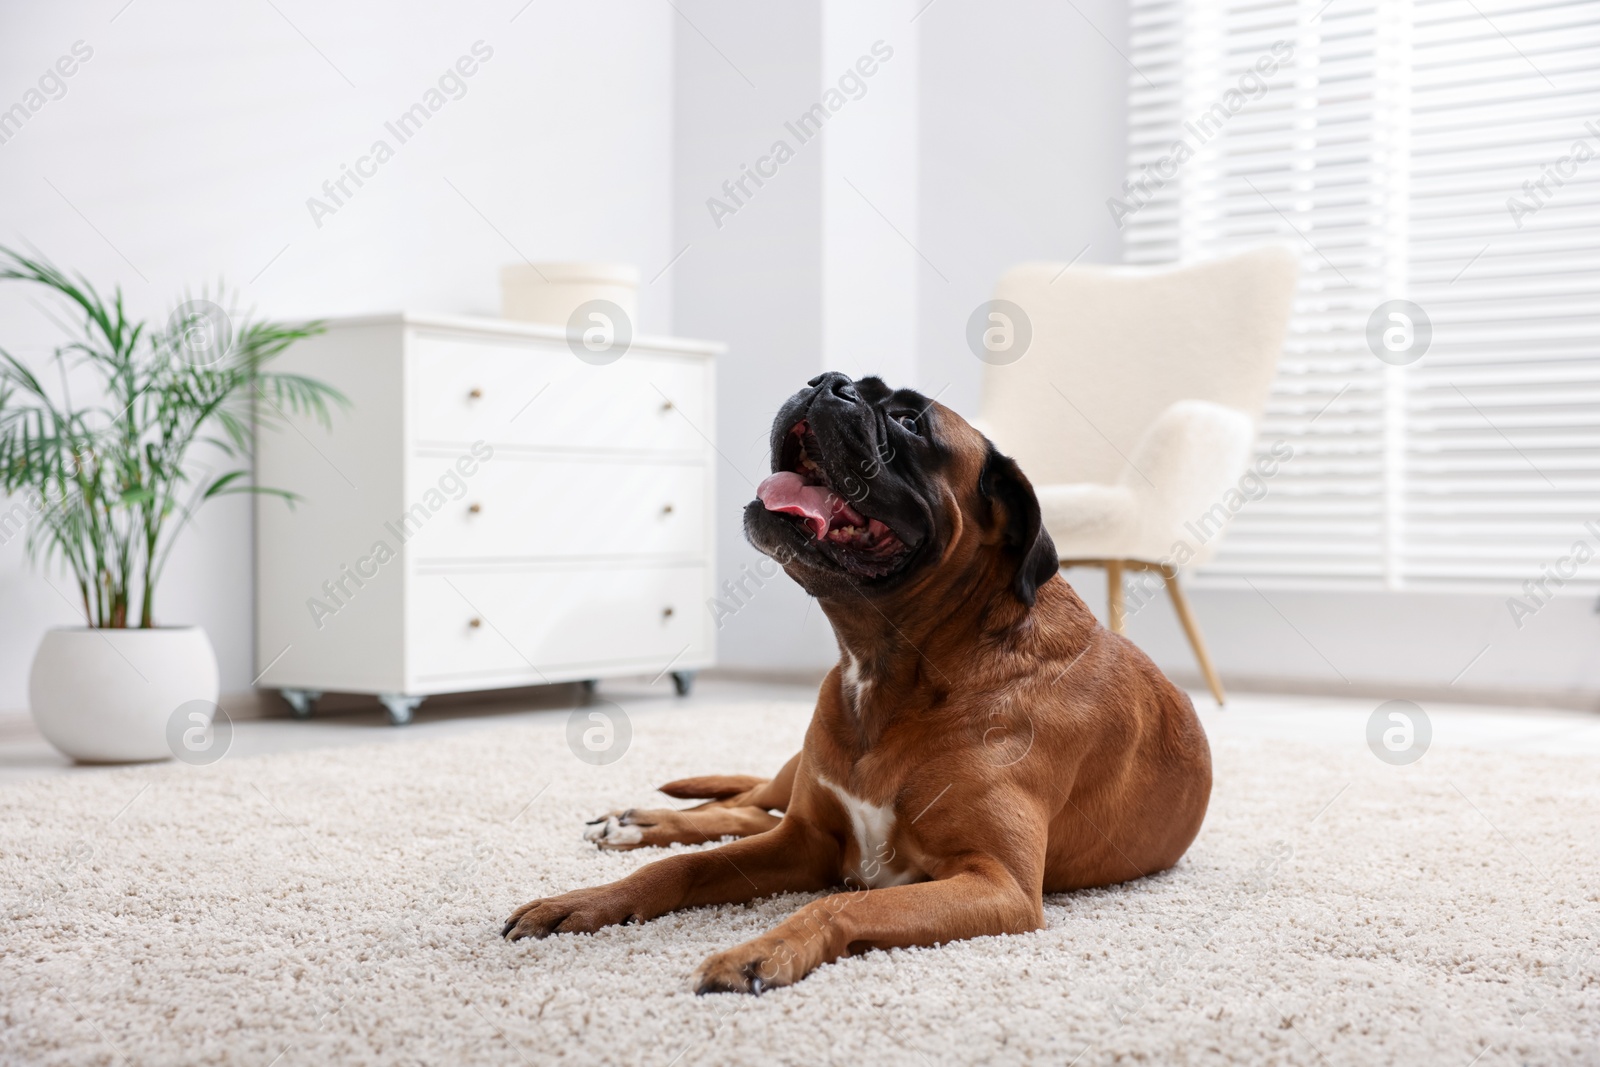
(107, 696)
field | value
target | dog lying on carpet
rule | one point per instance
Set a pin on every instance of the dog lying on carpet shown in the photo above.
(982, 741)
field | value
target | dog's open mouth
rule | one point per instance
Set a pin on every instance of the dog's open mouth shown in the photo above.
(802, 488)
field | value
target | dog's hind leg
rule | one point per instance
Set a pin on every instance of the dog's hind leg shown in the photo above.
(738, 790)
(736, 805)
(642, 828)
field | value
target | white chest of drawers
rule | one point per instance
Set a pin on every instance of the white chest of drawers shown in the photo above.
(490, 512)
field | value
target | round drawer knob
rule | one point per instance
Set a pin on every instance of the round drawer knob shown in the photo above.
(474, 622)
(666, 509)
(476, 394)
(666, 406)
(474, 508)
(666, 612)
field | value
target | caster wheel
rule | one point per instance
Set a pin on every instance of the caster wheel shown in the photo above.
(301, 701)
(683, 682)
(400, 706)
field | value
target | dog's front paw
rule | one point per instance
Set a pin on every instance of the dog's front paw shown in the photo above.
(619, 830)
(752, 967)
(583, 911)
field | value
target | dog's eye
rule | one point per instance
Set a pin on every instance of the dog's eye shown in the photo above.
(909, 422)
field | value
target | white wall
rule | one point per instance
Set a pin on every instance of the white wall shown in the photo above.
(991, 135)
(752, 278)
(1023, 134)
(186, 147)
(871, 268)
(865, 252)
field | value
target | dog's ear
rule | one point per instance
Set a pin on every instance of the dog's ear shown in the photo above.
(1005, 487)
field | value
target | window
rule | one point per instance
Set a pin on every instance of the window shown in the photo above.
(1437, 164)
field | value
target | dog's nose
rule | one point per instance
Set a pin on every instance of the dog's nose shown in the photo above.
(836, 384)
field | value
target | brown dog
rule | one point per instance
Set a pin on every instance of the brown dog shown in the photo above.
(982, 741)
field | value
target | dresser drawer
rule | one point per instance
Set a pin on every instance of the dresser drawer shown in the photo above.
(538, 394)
(537, 620)
(515, 506)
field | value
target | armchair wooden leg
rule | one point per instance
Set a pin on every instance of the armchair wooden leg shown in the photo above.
(1181, 606)
(1114, 595)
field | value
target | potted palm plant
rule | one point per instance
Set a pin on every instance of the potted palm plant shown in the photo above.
(100, 459)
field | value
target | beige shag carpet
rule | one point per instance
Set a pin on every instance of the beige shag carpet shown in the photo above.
(343, 906)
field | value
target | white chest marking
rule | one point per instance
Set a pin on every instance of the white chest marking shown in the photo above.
(872, 825)
(852, 677)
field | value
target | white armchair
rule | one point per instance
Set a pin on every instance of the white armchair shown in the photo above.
(1135, 405)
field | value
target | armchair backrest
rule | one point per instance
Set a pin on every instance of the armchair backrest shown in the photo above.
(1113, 347)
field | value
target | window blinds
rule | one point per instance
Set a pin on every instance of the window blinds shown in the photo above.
(1442, 152)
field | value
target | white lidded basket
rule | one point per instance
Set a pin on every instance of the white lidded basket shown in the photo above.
(549, 293)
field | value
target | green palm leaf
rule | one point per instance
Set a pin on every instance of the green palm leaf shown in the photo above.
(108, 481)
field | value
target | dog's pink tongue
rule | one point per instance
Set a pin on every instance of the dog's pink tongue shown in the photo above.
(788, 493)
